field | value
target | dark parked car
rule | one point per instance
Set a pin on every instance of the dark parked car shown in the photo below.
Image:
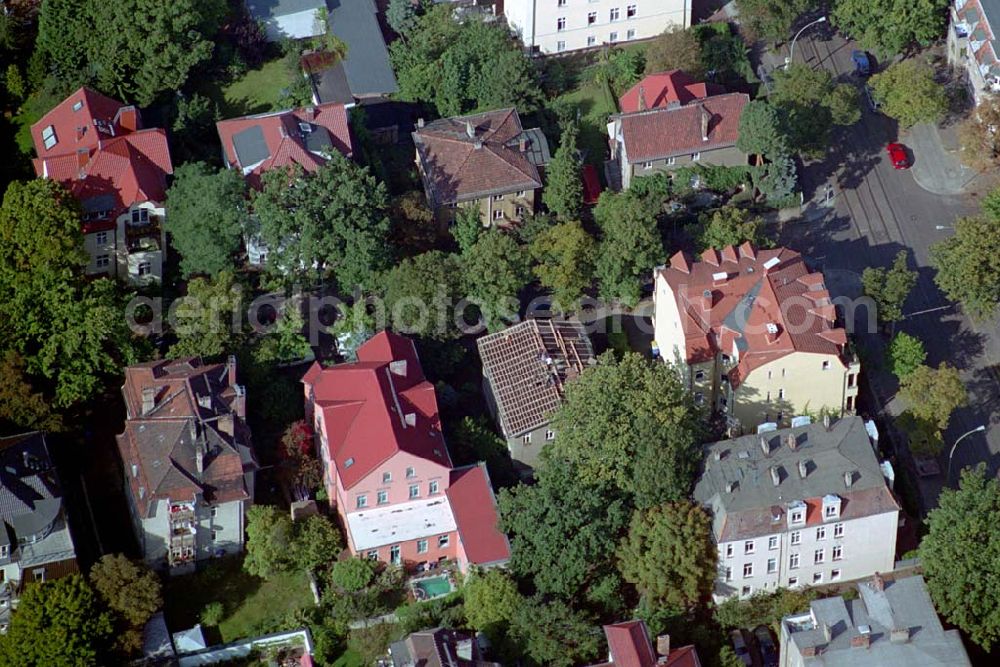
(862, 63)
(740, 647)
(765, 642)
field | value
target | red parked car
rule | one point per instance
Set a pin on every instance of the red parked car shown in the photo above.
(898, 157)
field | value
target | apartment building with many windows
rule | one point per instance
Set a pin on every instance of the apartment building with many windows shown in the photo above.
(556, 26)
(798, 507)
(386, 467)
(755, 334)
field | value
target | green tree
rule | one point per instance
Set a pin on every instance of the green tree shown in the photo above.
(906, 354)
(630, 245)
(563, 193)
(811, 103)
(473, 440)
(908, 92)
(209, 319)
(334, 218)
(269, 534)
(565, 553)
(494, 270)
(414, 229)
(212, 614)
(555, 634)
(728, 658)
(670, 556)
(420, 294)
(772, 19)
(194, 127)
(968, 265)
(15, 83)
(777, 180)
(130, 590)
(316, 543)
(611, 410)
(354, 574)
(761, 132)
(731, 226)
(958, 555)
(468, 227)
(208, 214)
(888, 27)
(491, 601)
(60, 624)
(564, 261)
(675, 48)
(978, 137)
(763, 608)
(889, 288)
(934, 393)
(286, 342)
(21, 407)
(401, 16)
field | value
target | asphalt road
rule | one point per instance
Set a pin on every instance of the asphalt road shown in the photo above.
(876, 211)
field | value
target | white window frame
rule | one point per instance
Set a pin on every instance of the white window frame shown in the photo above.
(772, 543)
(826, 365)
(631, 11)
(550, 435)
(560, 24)
(49, 138)
(382, 497)
(747, 591)
(591, 18)
(630, 33)
(526, 439)
(728, 573)
(615, 14)
(386, 477)
(372, 554)
(817, 578)
(140, 215)
(749, 547)
(443, 541)
(498, 214)
(835, 574)
(793, 581)
(795, 538)
(144, 268)
(591, 40)
(696, 157)
(838, 530)
(101, 238)
(414, 491)
(819, 556)
(432, 487)
(411, 473)
(831, 511)
(647, 165)
(793, 561)
(821, 533)
(747, 570)
(102, 261)
(772, 565)
(729, 550)
(613, 37)
(422, 546)
(838, 552)
(361, 501)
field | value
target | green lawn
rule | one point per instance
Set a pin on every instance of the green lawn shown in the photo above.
(259, 90)
(596, 104)
(252, 606)
(350, 658)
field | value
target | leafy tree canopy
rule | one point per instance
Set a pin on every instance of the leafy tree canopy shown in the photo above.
(401, 16)
(420, 293)
(958, 555)
(675, 48)
(334, 218)
(286, 342)
(733, 226)
(21, 407)
(889, 288)
(495, 269)
(630, 244)
(563, 193)
(209, 319)
(473, 440)
(564, 261)
(207, 218)
(60, 624)
(977, 134)
(908, 92)
(128, 588)
(906, 354)
(772, 19)
(888, 27)
(354, 574)
(491, 601)
(615, 407)
(670, 556)
(269, 532)
(968, 264)
(555, 634)
(761, 132)
(777, 180)
(934, 393)
(414, 227)
(811, 103)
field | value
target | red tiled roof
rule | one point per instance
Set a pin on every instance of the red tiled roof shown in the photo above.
(458, 167)
(686, 656)
(285, 144)
(748, 290)
(360, 404)
(629, 644)
(475, 511)
(102, 150)
(664, 132)
(663, 88)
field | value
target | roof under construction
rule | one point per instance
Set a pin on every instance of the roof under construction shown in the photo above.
(528, 366)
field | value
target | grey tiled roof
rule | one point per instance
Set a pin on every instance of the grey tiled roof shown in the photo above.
(741, 464)
(903, 605)
(263, 9)
(30, 497)
(366, 65)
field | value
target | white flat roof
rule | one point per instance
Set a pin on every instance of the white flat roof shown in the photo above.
(380, 526)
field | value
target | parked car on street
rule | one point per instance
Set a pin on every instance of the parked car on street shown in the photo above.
(862, 63)
(765, 642)
(898, 156)
(740, 647)
(870, 96)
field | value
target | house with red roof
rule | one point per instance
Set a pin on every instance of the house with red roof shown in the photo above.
(304, 138)
(665, 89)
(188, 460)
(117, 170)
(972, 44)
(756, 334)
(387, 470)
(629, 646)
(663, 138)
(483, 161)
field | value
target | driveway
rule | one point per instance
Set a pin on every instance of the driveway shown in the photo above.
(936, 167)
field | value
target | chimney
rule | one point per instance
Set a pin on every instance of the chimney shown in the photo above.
(82, 158)
(861, 641)
(706, 118)
(775, 476)
(827, 634)
(899, 635)
(310, 112)
(522, 144)
(410, 418)
(199, 458)
(826, 422)
(878, 583)
(148, 399)
(663, 645)
(420, 123)
(848, 478)
(772, 332)
(808, 651)
(398, 367)
(469, 130)
(239, 402)
(231, 367)
(706, 299)
(642, 98)
(765, 446)
(128, 119)
(803, 468)
(792, 441)
(730, 487)
(477, 144)
(227, 424)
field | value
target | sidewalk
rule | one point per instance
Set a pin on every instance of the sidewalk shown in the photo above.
(936, 165)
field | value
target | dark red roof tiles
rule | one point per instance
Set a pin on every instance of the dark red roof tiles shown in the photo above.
(629, 645)
(666, 132)
(665, 88)
(475, 511)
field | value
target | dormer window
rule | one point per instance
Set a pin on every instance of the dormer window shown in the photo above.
(831, 507)
(49, 137)
(796, 513)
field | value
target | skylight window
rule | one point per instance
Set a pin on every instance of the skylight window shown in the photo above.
(349, 462)
(78, 105)
(49, 137)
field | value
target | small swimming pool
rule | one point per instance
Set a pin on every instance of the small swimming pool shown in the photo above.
(431, 587)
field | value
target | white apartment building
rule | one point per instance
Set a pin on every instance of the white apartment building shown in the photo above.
(554, 26)
(798, 507)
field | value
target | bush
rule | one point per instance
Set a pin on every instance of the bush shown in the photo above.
(715, 178)
(212, 614)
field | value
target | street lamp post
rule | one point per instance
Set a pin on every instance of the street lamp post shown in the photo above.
(791, 49)
(978, 429)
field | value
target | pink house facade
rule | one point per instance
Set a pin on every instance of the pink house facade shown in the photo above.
(387, 470)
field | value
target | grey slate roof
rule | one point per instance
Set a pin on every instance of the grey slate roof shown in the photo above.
(902, 605)
(748, 510)
(30, 497)
(366, 66)
(250, 146)
(263, 9)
